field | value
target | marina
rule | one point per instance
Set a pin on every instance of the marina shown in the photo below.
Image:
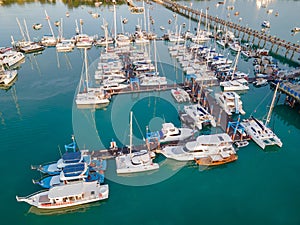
(151, 100)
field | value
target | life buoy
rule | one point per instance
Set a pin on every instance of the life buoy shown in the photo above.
(100, 195)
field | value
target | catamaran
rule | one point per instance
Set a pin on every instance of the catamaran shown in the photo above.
(139, 161)
(259, 131)
(90, 96)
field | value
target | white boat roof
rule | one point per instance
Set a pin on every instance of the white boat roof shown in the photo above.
(67, 190)
(214, 138)
(242, 80)
(168, 126)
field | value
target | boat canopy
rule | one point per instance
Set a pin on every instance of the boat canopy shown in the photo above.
(74, 170)
(62, 191)
(71, 157)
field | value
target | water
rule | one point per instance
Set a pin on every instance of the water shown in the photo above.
(37, 117)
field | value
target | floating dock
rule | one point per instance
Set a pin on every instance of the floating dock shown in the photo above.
(245, 33)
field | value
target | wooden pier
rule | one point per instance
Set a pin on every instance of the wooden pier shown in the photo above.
(245, 33)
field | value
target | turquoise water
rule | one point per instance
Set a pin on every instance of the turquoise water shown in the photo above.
(37, 117)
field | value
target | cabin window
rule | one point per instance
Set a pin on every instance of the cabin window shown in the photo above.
(92, 192)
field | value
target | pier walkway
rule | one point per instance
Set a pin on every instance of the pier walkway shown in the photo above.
(245, 33)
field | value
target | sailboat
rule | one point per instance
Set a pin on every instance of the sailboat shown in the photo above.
(153, 78)
(138, 161)
(260, 132)
(49, 40)
(26, 46)
(90, 96)
(64, 45)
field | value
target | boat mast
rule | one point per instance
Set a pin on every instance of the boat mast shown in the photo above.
(272, 105)
(145, 27)
(130, 134)
(148, 20)
(27, 33)
(235, 62)
(76, 28)
(198, 27)
(206, 24)
(20, 27)
(189, 30)
(155, 60)
(48, 19)
(115, 21)
(86, 69)
(106, 34)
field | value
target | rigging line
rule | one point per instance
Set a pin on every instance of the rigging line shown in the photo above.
(139, 127)
(260, 103)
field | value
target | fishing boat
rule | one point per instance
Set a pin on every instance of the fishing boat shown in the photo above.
(216, 159)
(180, 95)
(70, 157)
(135, 161)
(70, 174)
(203, 146)
(230, 102)
(259, 131)
(199, 115)
(170, 133)
(62, 196)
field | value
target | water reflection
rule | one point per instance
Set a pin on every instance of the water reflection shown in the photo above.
(68, 210)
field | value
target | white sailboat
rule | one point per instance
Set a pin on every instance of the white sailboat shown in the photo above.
(260, 132)
(49, 40)
(139, 161)
(153, 78)
(90, 96)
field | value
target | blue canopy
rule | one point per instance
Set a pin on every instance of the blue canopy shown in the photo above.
(71, 157)
(74, 170)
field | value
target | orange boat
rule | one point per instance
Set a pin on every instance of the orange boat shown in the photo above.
(215, 160)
